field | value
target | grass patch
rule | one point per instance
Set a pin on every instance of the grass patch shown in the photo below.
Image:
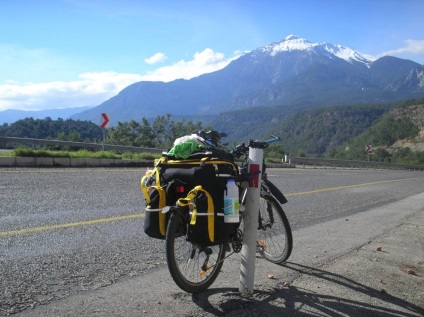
(23, 152)
(5, 154)
(26, 152)
(90, 154)
(273, 160)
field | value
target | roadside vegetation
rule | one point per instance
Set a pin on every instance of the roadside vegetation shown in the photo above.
(339, 132)
(27, 152)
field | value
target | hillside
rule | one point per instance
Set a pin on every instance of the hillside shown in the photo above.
(395, 131)
(315, 132)
(337, 132)
(66, 130)
(415, 114)
(397, 136)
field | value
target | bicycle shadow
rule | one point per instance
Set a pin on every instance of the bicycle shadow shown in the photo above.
(287, 300)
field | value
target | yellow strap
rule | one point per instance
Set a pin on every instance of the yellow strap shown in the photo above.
(193, 216)
(162, 197)
(211, 215)
(162, 204)
(143, 184)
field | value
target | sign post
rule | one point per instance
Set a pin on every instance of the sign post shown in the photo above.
(104, 122)
(368, 148)
(248, 252)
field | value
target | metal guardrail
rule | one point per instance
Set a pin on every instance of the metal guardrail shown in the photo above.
(293, 160)
(35, 142)
(352, 164)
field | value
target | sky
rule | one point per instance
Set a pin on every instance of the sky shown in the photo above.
(57, 54)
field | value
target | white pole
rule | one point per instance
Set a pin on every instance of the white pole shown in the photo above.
(104, 138)
(248, 252)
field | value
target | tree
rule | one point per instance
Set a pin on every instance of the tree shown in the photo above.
(160, 133)
(160, 129)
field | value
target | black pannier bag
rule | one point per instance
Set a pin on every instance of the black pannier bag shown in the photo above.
(154, 221)
(198, 185)
(154, 226)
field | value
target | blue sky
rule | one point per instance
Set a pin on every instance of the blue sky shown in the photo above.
(72, 53)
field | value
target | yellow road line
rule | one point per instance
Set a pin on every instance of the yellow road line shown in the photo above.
(69, 225)
(105, 220)
(348, 186)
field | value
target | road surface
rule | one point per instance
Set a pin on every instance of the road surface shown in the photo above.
(66, 233)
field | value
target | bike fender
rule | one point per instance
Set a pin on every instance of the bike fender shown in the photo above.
(276, 192)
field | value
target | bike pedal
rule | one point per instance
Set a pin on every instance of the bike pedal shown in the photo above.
(261, 244)
(203, 272)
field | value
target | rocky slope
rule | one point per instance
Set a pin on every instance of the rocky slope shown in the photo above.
(414, 113)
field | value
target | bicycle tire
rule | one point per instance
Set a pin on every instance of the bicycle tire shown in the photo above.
(186, 260)
(275, 239)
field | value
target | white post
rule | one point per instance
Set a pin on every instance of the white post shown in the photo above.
(248, 252)
(104, 138)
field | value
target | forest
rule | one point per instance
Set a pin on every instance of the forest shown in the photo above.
(157, 133)
(63, 130)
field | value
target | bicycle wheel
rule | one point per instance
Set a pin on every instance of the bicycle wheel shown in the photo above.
(275, 240)
(193, 268)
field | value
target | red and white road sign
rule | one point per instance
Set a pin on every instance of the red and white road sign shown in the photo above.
(368, 148)
(104, 120)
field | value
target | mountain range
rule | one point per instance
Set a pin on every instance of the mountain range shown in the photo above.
(281, 78)
(11, 115)
(293, 74)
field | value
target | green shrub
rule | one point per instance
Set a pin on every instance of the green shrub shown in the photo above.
(106, 155)
(42, 153)
(273, 160)
(82, 154)
(23, 152)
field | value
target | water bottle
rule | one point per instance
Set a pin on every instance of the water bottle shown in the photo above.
(231, 202)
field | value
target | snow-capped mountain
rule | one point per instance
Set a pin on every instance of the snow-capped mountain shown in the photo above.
(293, 73)
(295, 43)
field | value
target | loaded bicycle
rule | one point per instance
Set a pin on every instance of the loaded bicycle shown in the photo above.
(185, 208)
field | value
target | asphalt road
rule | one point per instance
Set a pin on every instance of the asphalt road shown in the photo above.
(67, 231)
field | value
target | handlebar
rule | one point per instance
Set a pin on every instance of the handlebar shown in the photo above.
(273, 139)
(212, 138)
(242, 148)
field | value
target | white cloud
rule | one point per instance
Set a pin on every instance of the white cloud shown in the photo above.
(91, 89)
(157, 58)
(206, 61)
(410, 47)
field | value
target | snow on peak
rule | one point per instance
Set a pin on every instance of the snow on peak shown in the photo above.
(290, 43)
(294, 42)
(292, 37)
(347, 53)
